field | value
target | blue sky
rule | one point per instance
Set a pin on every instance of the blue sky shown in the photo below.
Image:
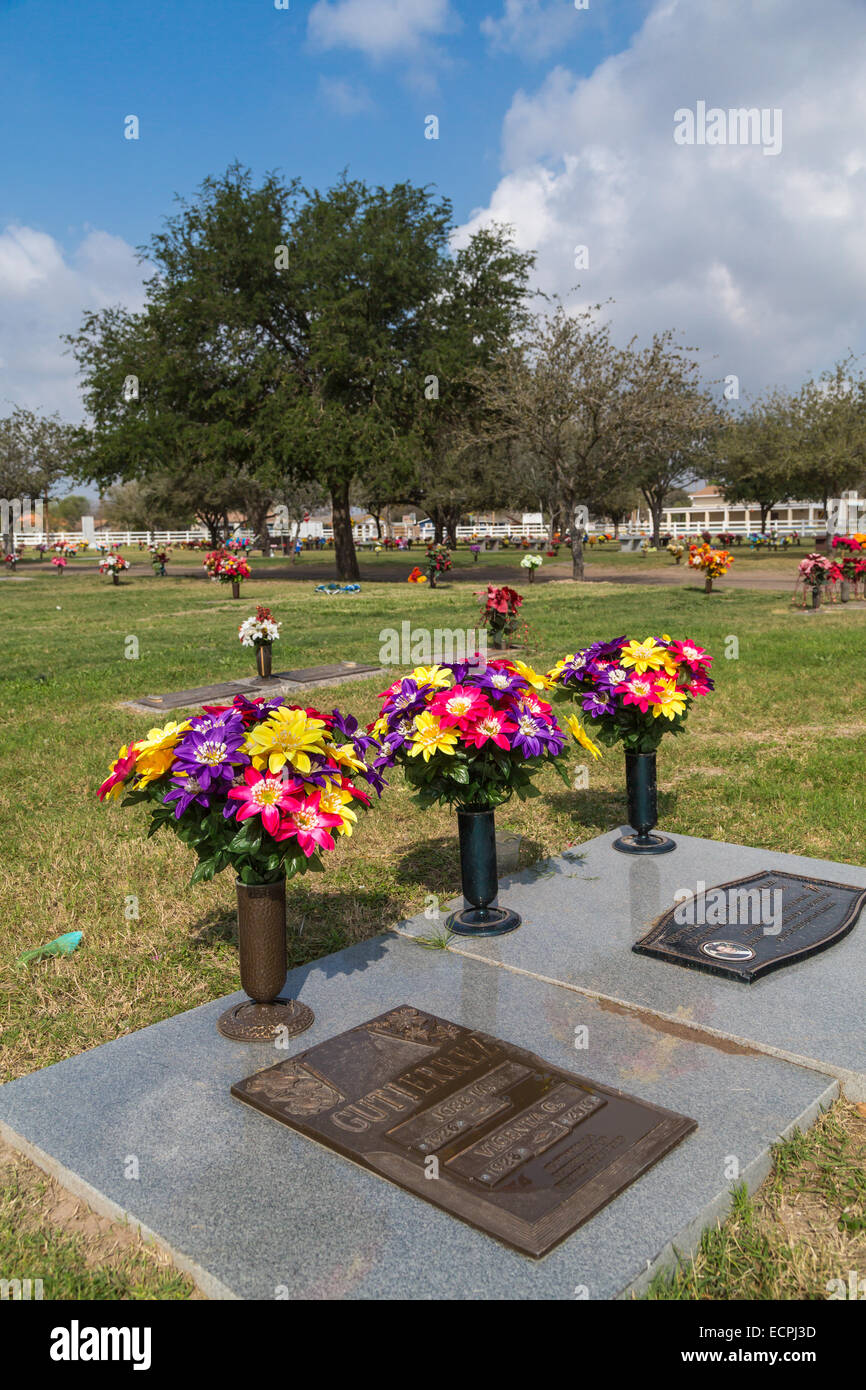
(559, 121)
(217, 80)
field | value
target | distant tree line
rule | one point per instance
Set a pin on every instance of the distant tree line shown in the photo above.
(297, 346)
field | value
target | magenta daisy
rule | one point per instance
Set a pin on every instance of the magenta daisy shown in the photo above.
(264, 795)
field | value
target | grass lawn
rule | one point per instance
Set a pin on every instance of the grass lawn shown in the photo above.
(770, 759)
(599, 558)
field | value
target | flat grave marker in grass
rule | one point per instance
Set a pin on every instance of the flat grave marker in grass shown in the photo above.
(279, 683)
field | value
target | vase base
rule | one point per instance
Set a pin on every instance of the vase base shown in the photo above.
(251, 1022)
(482, 921)
(633, 843)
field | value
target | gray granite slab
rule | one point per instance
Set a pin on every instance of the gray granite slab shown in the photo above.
(583, 910)
(255, 1210)
(278, 683)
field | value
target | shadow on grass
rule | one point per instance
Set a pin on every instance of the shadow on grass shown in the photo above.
(319, 924)
(600, 811)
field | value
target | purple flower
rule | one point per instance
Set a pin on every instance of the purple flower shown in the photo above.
(598, 702)
(185, 791)
(532, 736)
(501, 682)
(407, 698)
(230, 720)
(211, 755)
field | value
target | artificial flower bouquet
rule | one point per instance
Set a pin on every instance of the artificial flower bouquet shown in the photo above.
(260, 786)
(816, 570)
(633, 692)
(499, 612)
(416, 577)
(438, 561)
(259, 630)
(470, 734)
(531, 563)
(59, 562)
(675, 550)
(231, 569)
(714, 563)
(113, 564)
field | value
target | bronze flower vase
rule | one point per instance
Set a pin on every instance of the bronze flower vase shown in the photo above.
(640, 781)
(263, 659)
(265, 1016)
(816, 596)
(845, 595)
(236, 588)
(115, 577)
(479, 916)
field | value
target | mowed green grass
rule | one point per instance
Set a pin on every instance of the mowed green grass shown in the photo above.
(600, 556)
(773, 758)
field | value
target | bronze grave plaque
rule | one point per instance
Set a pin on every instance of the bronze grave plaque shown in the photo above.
(491, 1133)
(750, 926)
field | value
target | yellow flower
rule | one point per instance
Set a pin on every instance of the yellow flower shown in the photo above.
(435, 676)
(380, 726)
(334, 801)
(556, 671)
(431, 738)
(580, 736)
(534, 678)
(669, 700)
(286, 736)
(156, 751)
(644, 656)
(346, 756)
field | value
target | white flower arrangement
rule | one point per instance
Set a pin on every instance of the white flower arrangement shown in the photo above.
(530, 562)
(255, 631)
(112, 562)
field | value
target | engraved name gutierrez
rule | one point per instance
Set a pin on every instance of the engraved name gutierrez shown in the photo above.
(405, 1091)
(525, 1150)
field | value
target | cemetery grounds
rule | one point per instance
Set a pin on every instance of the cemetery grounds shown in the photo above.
(774, 759)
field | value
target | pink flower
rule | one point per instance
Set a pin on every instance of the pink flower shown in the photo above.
(265, 795)
(493, 726)
(640, 691)
(462, 705)
(691, 654)
(311, 826)
(530, 701)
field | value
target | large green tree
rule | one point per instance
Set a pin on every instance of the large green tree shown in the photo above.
(288, 336)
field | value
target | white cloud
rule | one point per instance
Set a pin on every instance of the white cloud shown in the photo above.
(346, 98)
(760, 261)
(535, 28)
(380, 28)
(43, 294)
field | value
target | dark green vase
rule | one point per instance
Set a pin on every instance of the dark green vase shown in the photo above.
(478, 916)
(640, 782)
